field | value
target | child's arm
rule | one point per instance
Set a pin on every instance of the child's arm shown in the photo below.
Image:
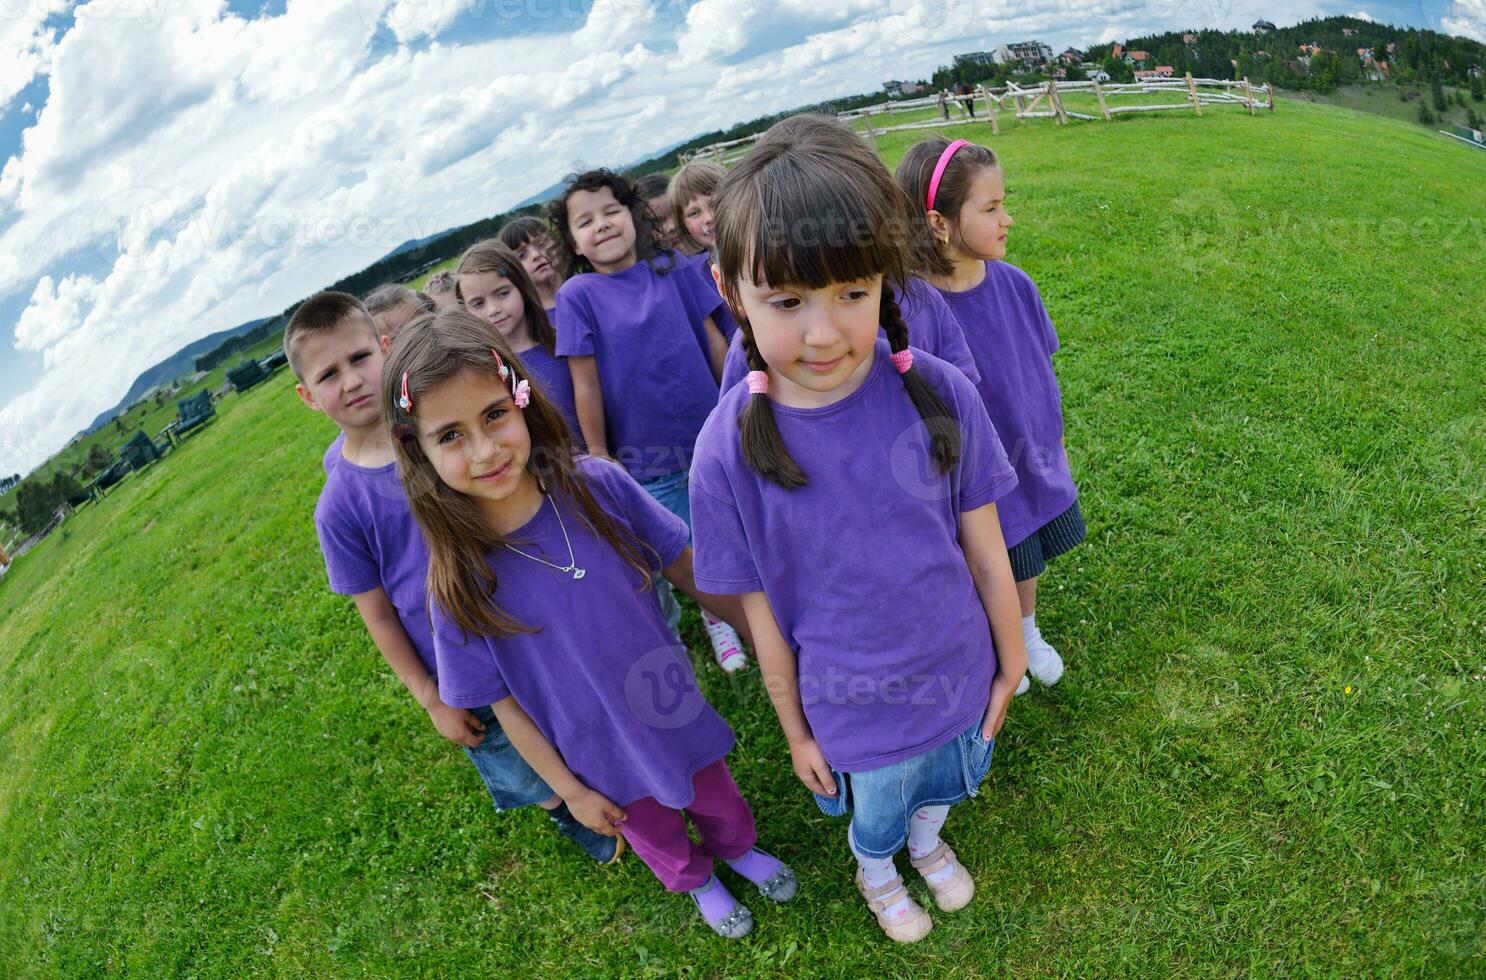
(776, 662)
(727, 608)
(985, 554)
(589, 399)
(593, 809)
(386, 629)
(717, 346)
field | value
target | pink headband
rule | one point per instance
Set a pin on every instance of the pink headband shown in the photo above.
(949, 151)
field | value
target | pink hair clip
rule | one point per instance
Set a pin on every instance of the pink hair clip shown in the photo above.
(505, 372)
(944, 158)
(758, 382)
(902, 360)
(522, 394)
(405, 403)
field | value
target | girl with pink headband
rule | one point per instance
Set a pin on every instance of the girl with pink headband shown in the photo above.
(961, 190)
(847, 492)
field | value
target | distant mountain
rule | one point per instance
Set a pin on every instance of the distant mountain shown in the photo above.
(413, 244)
(540, 197)
(181, 362)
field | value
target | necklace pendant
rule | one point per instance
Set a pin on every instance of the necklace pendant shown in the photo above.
(579, 572)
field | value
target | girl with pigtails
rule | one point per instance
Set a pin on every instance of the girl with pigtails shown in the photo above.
(847, 492)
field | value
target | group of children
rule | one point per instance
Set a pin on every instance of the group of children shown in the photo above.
(806, 392)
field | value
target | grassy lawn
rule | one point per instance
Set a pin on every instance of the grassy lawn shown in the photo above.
(1382, 99)
(1268, 754)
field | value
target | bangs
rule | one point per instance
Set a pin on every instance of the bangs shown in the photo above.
(808, 219)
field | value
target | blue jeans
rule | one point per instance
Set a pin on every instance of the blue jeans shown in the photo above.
(509, 780)
(882, 801)
(673, 493)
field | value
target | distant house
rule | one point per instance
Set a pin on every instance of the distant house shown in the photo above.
(1118, 51)
(899, 90)
(1348, 31)
(987, 58)
(1060, 73)
(1189, 38)
(1137, 59)
(1031, 54)
(1263, 27)
(1310, 50)
(1072, 56)
(1097, 75)
(1162, 71)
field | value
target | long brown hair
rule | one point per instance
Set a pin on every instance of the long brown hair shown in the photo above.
(692, 181)
(432, 349)
(803, 213)
(916, 171)
(491, 255)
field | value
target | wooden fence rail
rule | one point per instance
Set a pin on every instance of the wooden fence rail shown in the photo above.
(1041, 101)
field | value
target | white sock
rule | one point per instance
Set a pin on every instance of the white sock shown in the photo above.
(1029, 627)
(923, 837)
(877, 872)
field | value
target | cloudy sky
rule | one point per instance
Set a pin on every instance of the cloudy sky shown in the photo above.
(175, 167)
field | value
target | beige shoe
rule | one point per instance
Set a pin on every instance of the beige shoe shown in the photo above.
(950, 895)
(911, 927)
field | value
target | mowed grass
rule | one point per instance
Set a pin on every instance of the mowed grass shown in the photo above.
(1267, 754)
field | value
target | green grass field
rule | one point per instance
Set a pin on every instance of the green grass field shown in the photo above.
(1268, 755)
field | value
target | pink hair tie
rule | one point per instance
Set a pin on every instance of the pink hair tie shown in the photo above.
(949, 151)
(758, 382)
(902, 360)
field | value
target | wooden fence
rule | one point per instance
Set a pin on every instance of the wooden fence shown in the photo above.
(1041, 101)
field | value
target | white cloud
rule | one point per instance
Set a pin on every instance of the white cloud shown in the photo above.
(26, 44)
(1363, 15)
(54, 311)
(1466, 18)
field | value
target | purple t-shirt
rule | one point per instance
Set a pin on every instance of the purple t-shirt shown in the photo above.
(333, 453)
(645, 331)
(605, 680)
(556, 383)
(370, 539)
(701, 266)
(862, 566)
(1013, 340)
(931, 327)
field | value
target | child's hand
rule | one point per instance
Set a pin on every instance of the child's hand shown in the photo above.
(1002, 690)
(457, 724)
(596, 811)
(810, 765)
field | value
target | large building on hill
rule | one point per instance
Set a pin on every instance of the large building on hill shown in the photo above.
(1033, 54)
(987, 58)
(1263, 27)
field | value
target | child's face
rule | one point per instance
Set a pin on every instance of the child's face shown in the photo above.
(983, 220)
(536, 259)
(495, 299)
(471, 430)
(698, 217)
(391, 321)
(665, 230)
(342, 371)
(603, 230)
(813, 339)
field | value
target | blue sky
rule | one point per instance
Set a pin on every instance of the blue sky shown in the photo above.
(175, 167)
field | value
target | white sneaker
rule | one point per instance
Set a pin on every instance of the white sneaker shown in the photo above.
(727, 646)
(1022, 687)
(1043, 661)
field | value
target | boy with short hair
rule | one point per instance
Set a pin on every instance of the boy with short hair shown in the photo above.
(375, 553)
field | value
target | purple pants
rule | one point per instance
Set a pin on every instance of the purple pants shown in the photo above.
(722, 818)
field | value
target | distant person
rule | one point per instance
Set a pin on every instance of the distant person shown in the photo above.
(542, 569)
(375, 553)
(653, 188)
(491, 283)
(691, 203)
(441, 287)
(930, 323)
(532, 241)
(962, 191)
(847, 493)
(967, 97)
(943, 99)
(638, 325)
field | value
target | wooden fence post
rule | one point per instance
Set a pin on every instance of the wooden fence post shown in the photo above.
(717, 155)
(1269, 90)
(1103, 106)
(871, 130)
(1248, 94)
(1192, 91)
(1017, 99)
(1056, 101)
(991, 108)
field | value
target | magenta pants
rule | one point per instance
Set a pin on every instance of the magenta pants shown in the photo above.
(718, 811)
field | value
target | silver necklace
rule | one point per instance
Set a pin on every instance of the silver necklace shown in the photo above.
(572, 566)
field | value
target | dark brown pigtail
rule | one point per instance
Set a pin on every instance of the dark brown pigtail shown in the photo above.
(944, 428)
(763, 447)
